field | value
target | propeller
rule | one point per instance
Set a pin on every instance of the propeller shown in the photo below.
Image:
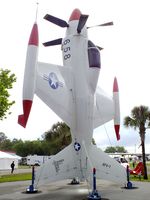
(62, 23)
(82, 22)
(100, 48)
(105, 24)
(57, 21)
(53, 42)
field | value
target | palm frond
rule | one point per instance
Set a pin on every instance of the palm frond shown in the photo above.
(130, 122)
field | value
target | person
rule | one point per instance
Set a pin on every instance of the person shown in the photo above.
(133, 163)
(12, 167)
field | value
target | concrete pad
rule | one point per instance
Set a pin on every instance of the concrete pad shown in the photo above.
(63, 191)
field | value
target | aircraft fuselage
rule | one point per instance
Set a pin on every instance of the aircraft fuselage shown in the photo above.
(75, 57)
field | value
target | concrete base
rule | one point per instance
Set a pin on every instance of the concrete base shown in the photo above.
(94, 196)
(74, 181)
(62, 191)
(31, 189)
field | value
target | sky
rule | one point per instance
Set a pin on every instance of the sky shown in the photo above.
(125, 55)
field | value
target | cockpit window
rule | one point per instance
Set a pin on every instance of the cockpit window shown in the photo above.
(93, 55)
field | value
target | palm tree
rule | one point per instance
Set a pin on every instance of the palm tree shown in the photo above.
(140, 119)
(59, 131)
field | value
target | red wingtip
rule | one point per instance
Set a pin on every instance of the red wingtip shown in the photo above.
(117, 128)
(22, 119)
(115, 85)
(94, 170)
(75, 15)
(34, 38)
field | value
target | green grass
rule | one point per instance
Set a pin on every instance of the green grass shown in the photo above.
(148, 164)
(139, 178)
(15, 177)
(24, 167)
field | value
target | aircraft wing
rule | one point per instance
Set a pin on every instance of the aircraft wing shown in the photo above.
(68, 164)
(59, 167)
(53, 86)
(103, 108)
(106, 167)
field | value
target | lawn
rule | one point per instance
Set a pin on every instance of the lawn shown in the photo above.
(15, 177)
(139, 178)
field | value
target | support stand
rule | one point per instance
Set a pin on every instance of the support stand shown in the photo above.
(74, 181)
(94, 195)
(31, 188)
(129, 184)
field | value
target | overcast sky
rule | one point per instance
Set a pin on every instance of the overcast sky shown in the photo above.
(125, 55)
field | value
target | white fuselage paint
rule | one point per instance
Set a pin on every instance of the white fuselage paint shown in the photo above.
(75, 57)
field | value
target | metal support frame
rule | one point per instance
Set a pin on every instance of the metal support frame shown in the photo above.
(31, 188)
(94, 195)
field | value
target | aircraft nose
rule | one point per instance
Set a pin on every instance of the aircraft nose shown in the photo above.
(75, 15)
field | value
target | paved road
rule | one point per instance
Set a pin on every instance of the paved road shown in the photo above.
(63, 191)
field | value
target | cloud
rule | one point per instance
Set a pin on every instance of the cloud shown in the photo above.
(130, 139)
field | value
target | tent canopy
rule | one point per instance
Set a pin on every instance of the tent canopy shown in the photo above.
(5, 155)
(6, 160)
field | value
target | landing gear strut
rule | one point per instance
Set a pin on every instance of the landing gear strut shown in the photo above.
(94, 195)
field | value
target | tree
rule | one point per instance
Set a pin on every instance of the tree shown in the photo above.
(6, 82)
(5, 143)
(117, 149)
(120, 149)
(3, 137)
(24, 148)
(58, 137)
(110, 150)
(140, 119)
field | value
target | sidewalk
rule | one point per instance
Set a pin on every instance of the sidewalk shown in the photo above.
(62, 190)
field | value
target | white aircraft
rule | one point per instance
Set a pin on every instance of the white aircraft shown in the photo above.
(71, 92)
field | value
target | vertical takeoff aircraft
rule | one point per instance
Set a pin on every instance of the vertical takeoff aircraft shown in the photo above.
(71, 92)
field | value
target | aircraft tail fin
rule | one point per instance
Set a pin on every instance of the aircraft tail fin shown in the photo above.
(106, 167)
(69, 164)
(59, 167)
